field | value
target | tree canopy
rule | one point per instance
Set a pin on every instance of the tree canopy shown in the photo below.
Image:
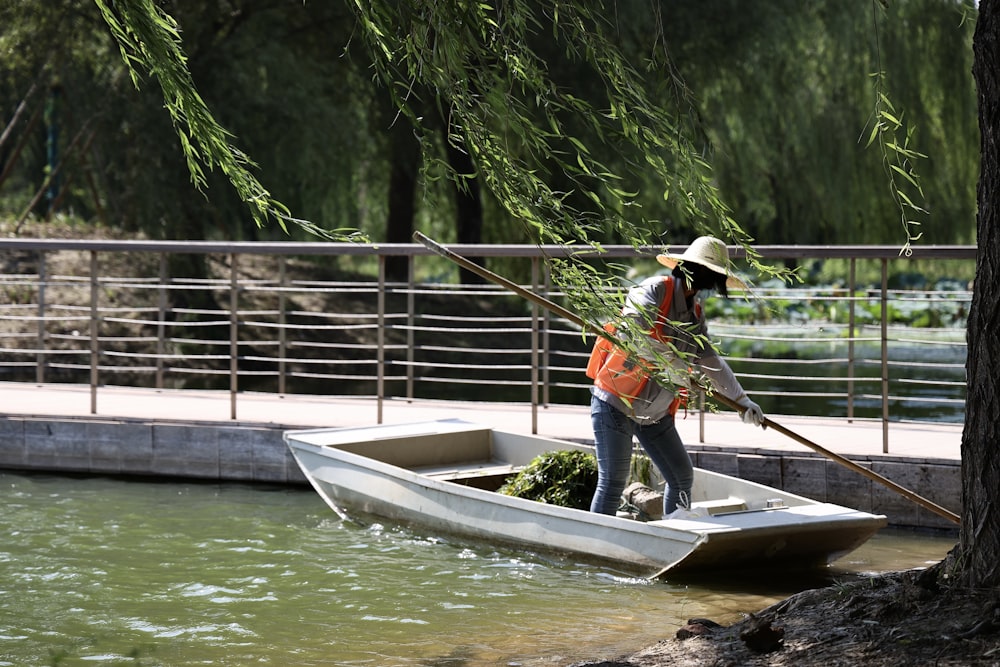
(582, 122)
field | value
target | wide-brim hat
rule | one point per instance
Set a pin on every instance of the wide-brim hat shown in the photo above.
(709, 252)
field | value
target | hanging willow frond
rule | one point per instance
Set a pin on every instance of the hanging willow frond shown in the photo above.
(150, 43)
(527, 131)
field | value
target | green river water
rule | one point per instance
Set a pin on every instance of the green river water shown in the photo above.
(100, 571)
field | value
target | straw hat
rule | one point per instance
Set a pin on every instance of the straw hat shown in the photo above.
(711, 253)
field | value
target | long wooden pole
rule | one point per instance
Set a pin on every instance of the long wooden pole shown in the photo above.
(767, 423)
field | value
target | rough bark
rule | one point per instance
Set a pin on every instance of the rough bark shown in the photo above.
(404, 163)
(978, 564)
(468, 205)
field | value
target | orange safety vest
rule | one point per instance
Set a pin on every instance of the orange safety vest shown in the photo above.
(613, 370)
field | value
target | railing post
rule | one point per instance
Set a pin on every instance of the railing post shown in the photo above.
(42, 279)
(410, 321)
(701, 416)
(161, 326)
(282, 333)
(546, 337)
(885, 355)
(234, 332)
(380, 363)
(851, 285)
(535, 356)
(94, 330)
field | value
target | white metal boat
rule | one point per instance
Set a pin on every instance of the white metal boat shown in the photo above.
(442, 476)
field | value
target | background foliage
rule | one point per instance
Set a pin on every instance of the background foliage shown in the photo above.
(778, 100)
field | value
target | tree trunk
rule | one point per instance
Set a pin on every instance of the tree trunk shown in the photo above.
(468, 204)
(403, 165)
(978, 564)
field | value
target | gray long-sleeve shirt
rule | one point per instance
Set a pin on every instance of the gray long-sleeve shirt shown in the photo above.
(688, 338)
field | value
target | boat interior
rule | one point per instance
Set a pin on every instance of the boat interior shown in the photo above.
(483, 458)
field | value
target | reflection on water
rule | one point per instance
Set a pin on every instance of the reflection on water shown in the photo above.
(106, 571)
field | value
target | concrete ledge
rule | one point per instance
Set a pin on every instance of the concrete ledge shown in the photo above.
(257, 453)
(820, 478)
(196, 451)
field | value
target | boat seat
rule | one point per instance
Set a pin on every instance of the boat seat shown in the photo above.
(721, 505)
(457, 471)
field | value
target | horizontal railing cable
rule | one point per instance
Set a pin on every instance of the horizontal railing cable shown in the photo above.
(281, 329)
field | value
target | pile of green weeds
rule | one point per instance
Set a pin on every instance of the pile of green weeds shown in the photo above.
(565, 478)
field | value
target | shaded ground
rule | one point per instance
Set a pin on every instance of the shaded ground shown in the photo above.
(902, 619)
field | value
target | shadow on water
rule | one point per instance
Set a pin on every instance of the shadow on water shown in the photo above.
(767, 583)
(889, 550)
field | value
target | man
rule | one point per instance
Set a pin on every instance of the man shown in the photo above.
(627, 401)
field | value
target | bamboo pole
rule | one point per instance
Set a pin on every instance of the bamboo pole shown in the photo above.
(766, 423)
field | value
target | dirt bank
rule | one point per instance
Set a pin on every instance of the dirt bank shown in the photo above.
(905, 619)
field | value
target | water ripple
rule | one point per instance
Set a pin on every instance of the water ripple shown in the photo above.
(105, 571)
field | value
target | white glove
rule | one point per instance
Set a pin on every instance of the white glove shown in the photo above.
(752, 414)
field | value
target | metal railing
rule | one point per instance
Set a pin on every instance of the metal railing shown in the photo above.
(277, 317)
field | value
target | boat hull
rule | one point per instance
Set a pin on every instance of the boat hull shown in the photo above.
(436, 488)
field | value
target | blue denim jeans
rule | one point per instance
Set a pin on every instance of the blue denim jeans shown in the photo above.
(613, 432)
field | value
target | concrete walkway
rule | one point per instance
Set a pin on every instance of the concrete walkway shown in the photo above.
(915, 442)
